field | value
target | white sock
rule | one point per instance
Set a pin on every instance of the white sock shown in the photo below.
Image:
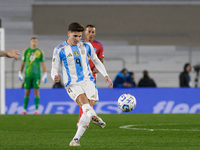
(88, 111)
(82, 126)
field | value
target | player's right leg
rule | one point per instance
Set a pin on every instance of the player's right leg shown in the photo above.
(27, 87)
(26, 100)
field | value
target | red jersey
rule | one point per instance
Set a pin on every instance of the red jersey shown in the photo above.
(99, 51)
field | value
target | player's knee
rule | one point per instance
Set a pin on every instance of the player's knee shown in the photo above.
(82, 99)
(92, 103)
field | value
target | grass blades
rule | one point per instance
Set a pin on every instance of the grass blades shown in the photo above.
(145, 132)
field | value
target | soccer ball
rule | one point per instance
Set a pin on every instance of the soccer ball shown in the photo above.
(126, 102)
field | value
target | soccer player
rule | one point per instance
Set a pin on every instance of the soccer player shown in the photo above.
(90, 33)
(32, 57)
(10, 53)
(73, 55)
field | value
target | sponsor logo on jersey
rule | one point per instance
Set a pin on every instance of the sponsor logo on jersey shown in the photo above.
(69, 55)
(37, 54)
(76, 53)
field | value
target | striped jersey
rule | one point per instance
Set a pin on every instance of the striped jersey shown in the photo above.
(74, 62)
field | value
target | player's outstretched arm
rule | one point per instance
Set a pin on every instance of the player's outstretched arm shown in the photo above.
(13, 54)
(10, 53)
(95, 70)
(3, 54)
(107, 79)
(99, 65)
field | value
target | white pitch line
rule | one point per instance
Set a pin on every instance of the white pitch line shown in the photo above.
(148, 129)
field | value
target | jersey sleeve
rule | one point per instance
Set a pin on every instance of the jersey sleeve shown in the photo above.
(42, 56)
(99, 65)
(90, 51)
(24, 55)
(55, 63)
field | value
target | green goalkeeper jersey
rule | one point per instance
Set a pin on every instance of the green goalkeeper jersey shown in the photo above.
(32, 58)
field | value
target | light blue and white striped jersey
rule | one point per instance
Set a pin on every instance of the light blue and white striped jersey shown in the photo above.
(74, 62)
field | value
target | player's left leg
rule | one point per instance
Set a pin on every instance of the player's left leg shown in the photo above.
(80, 109)
(36, 86)
(37, 100)
(96, 119)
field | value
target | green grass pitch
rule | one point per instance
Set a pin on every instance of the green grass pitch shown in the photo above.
(146, 132)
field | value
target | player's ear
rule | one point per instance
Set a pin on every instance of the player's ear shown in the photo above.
(68, 33)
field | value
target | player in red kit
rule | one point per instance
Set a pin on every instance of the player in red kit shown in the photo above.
(90, 33)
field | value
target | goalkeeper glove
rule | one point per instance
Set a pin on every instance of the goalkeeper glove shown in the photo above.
(20, 76)
(44, 78)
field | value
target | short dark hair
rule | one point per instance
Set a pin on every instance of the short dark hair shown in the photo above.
(124, 70)
(33, 38)
(186, 65)
(145, 73)
(90, 25)
(76, 27)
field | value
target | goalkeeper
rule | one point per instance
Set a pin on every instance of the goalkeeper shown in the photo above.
(31, 59)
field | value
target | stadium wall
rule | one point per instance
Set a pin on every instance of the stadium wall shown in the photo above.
(149, 100)
(176, 23)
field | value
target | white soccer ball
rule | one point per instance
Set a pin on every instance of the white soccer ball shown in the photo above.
(126, 102)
